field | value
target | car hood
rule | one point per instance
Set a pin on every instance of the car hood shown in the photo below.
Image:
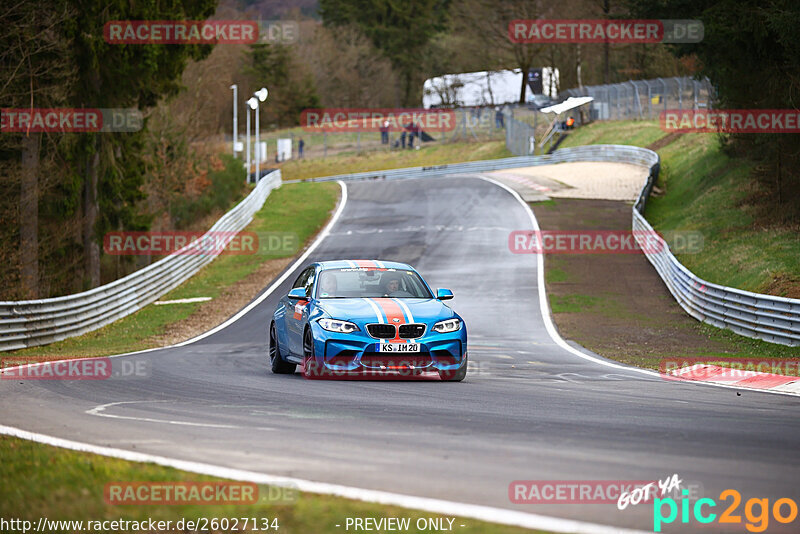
(359, 310)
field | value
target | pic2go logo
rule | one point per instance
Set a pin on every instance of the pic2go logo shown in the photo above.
(701, 510)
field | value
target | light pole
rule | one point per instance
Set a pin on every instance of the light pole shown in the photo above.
(252, 104)
(259, 96)
(235, 119)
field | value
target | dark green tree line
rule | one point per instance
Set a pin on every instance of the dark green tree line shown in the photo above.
(53, 54)
(752, 57)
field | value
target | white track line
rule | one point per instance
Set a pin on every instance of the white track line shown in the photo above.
(182, 301)
(100, 411)
(320, 237)
(437, 506)
(261, 298)
(482, 513)
(543, 305)
(556, 337)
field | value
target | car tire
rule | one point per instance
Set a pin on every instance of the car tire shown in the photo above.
(310, 367)
(455, 376)
(279, 365)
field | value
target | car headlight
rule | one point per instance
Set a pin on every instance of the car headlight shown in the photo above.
(335, 325)
(450, 325)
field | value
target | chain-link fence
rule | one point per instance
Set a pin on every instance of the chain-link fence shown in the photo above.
(469, 124)
(477, 124)
(520, 137)
(529, 131)
(524, 127)
(644, 99)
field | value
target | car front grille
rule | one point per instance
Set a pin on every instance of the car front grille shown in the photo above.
(389, 331)
(381, 331)
(411, 331)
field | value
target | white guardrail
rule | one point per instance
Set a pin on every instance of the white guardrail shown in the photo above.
(29, 323)
(767, 317)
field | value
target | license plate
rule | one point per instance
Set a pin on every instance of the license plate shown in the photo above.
(398, 347)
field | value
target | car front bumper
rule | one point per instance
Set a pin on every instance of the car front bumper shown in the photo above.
(358, 352)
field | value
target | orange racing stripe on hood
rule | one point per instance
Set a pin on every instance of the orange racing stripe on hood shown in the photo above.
(392, 311)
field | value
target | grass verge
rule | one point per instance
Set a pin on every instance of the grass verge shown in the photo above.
(700, 189)
(295, 209)
(616, 304)
(437, 154)
(41, 481)
(706, 191)
(709, 192)
(638, 133)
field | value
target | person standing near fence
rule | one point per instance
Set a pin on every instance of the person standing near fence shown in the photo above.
(300, 145)
(385, 133)
(498, 118)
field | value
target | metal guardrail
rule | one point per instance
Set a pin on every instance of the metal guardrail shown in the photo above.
(767, 317)
(30, 323)
(583, 153)
(771, 318)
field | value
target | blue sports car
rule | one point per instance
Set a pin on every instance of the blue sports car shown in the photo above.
(356, 317)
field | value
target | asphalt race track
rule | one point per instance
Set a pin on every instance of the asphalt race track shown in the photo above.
(528, 410)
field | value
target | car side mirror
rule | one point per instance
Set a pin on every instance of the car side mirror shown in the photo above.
(298, 293)
(444, 294)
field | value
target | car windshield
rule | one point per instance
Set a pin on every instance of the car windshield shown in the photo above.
(361, 282)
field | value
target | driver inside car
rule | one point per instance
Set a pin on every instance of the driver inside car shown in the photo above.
(391, 285)
(328, 285)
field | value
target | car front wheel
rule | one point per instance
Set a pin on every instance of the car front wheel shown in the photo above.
(278, 364)
(311, 368)
(455, 376)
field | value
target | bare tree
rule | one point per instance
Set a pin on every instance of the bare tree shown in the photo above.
(486, 22)
(348, 70)
(203, 107)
